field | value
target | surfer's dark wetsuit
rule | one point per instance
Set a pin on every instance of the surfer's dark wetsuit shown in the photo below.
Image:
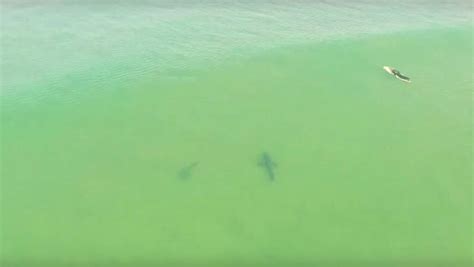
(399, 75)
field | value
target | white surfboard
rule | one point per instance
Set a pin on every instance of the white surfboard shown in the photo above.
(388, 69)
(394, 73)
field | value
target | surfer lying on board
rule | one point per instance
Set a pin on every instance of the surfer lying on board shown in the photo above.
(397, 74)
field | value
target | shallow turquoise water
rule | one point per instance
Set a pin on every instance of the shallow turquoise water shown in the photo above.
(371, 171)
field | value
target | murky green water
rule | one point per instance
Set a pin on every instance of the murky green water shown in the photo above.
(162, 168)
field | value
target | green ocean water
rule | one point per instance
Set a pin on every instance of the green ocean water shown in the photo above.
(370, 171)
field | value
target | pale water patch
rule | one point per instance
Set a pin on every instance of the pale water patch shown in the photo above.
(48, 41)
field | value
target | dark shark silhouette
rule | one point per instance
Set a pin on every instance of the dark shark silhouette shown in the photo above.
(268, 165)
(185, 172)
